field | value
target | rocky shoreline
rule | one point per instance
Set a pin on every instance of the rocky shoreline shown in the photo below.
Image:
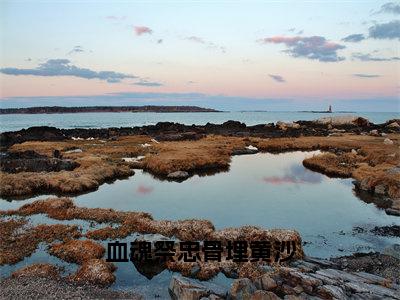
(73, 161)
(167, 131)
(360, 276)
(353, 277)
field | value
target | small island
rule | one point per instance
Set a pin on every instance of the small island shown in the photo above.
(93, 109)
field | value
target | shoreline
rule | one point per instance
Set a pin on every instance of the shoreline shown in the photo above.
(46, 159)
(350, 275)
(354, 149)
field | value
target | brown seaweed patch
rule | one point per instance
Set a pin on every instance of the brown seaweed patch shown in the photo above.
(18, 241)
(38, 270)
(77, 251)
(95, 271)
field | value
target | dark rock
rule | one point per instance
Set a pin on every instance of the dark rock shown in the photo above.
(30, 161)
(392, 211)
(393, 230)
(244, 151)
(264, 295)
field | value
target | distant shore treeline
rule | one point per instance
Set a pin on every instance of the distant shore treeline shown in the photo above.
(80, 109)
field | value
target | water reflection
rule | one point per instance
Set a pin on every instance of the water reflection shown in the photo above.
(267, 190)
(143, 190)
(296, 174)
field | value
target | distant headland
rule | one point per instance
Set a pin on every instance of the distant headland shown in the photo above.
(96, 109)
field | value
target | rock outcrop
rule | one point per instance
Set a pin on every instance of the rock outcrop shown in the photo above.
(30, 161)
(306, 279)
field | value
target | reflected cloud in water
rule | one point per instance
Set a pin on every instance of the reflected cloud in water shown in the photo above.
(144, 190)
(296, 174)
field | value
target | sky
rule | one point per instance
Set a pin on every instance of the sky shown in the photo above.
(272, 55)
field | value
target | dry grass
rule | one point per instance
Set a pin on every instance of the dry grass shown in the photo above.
(101, 160)
(137, 222)
(38, 270)
(77, 251)
(92, 172)
(212, 152)
(18, 241)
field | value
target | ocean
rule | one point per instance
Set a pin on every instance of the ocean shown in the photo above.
(15, 122)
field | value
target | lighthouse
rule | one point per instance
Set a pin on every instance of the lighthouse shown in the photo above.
(330, 109)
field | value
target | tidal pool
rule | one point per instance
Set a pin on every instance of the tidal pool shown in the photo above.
(266, 190)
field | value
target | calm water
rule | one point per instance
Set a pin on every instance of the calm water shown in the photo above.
(267, 190)
(104, 120)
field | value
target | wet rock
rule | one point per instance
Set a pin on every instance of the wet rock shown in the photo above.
(191, 289)
(393, 230)
(320, 262)
(267, 283)
(77, 251)
(242, 289)
(95, 271)
(264, 295)
(178, 175)
(392, 211)
(388, 141)
(331, 292)
(37, 270)
(363, 184)
(393, 125)
(374, 263)
(308, 282)
(393, 250)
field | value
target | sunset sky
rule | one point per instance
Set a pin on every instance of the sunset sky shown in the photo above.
(278, 55)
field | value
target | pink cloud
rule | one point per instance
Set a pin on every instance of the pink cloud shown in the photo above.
(280, 40)
(142, 30)
(144, 190)
(313, 47)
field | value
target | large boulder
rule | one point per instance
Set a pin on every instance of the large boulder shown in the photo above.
(242, 289)
(343, 120)
(192, 289)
